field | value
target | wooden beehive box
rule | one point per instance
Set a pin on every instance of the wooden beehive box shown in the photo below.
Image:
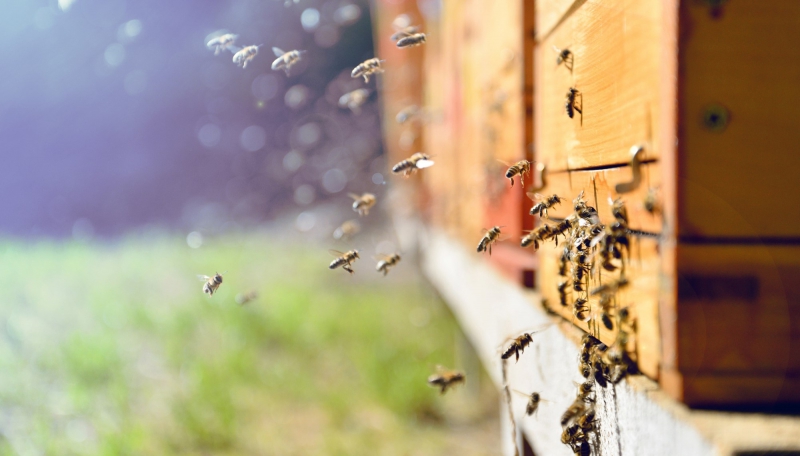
(704, 88)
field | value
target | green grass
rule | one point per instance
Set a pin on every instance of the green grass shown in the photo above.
(113, 349)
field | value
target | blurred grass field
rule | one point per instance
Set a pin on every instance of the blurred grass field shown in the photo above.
(112, 348)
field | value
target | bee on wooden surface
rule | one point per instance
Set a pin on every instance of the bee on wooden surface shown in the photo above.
(444, 379)
(222, 43)
(346, 230)
(535, 236)
(413, 163)
(575, 410)
(579, 270)
(362, 204)
(244, 298)
(415, 39)
(387, 262)
(211, 284)
(562, 292)
(544, 203)
(285, 60)
(353, 100)
(344, 259)
(618, 366)
(533, 402)
(407, 113)
(563, 262)
(586, 421)
(518, 346)
(519, 168)
(581, 309)
(571, 104)
(585, 370)
(564, 56)
(367, 68)
(245, 55)
(651, 201)
(573, 436)
(618, 211)
(490, 237)
(584, 449)
(585, 391)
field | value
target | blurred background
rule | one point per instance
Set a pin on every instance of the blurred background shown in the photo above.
(136, 159)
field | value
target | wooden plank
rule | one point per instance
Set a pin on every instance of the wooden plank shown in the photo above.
(779, 391)
(738, 309)
(599, 186)
(615, 46)
(739, 181)
(549, 13)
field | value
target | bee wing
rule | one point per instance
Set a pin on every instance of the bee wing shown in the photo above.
(354, 196)
(521, 393)
(277, 51)
(234, 48)
(335, 253)
(203, 278)
(504, 162)
(381, 256)
(534, 196)
(422, 164)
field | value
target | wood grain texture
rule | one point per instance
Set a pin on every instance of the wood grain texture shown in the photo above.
(550, 12)
(740, 182)
(615, 45)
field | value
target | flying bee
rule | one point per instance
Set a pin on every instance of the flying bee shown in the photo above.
(562, 292)
(353, 100)
(535, 236)
(562, 227)
(618, 211)
(222, 43)
(285, 60)
(386, 262)
(564, 56)
(362, 204)
(577, 408)
(444, 379)
(403, 30)
(490, 237)
(520, 168)
(211, 284)
(518, 346)
(344, 259)
(245, 55)
(415, 39)
(412, 163)
(544, 203)
(244, 298)
(571, 104)
(407, 113)
(367, 68)
(346, 230)
(533, 402)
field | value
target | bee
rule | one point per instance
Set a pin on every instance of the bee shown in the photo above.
(367, 68)
(285, 60)
(491, 236)
(585, 390)
(347, 230)
(535, 236)
(577, 408)
(563, 262)
(518, 346)
(618, 211)
(586, 421)
(222, 43)
(211, 284)
(407, 113)
(387, 262)
(344, 259)
(444, 379)
(544, 204)
(533, 402)
(403, 32)
(585, 370)
(245, 55)
(415, 39)
(564, 56)
(362, 204)
(580, 309)
(520, 168)
(584, 449)
(651, 201)
(353, 100)
(244, 298)
(413, 163)
(578, 272)
(570, 104)
(562, 292)
(561, 228)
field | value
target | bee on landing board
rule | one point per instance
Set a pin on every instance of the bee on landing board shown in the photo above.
(222, 43)
(362, 204)
(344, 259)
(491, 236)
(245, 55)
(519, 168)
(544, 203)
(211, 284)
(387, 262)
(415, 39)
(445, 379)
(285, 60)
(571, 104)
(353, 100)
(367, 68)
(412, 163)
